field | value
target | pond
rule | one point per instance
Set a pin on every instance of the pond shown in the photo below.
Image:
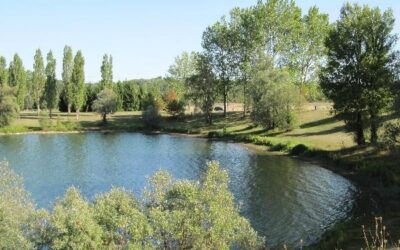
(286, 200)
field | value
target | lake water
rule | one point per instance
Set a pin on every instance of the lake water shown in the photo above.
(286, 200)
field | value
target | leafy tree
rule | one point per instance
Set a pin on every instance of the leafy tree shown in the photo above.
(68, 65)
(38, 79)
(8, 105)
(123, 222)
(183, 68)
(51, 93)
(78, 82)
(106, 103)
(17, 79)
(219, 43)
(16, 208)
(74, 224)
(189, 215)
(3, 71)
(309, 50)
(106, 72)
(274, 97)
(202, 87)
(359, 74)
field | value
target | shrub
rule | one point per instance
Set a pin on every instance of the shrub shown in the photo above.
(391, 136)
(106, 103)
(45, 123)
(151, 117)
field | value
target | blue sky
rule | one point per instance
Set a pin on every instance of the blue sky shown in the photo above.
(144, 37)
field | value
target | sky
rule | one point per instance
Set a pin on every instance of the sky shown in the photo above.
(143, 37)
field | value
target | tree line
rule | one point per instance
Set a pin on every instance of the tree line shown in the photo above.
(278, 58)
(271, 57)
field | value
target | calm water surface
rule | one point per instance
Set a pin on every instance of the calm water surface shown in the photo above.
(286, 200)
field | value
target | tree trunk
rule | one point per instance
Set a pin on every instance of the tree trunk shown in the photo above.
(225, 99)
(360, 129)
(374, 128)
(244, 100)
(77, 114)
(69, 108)
(50, 113)
(104, 117)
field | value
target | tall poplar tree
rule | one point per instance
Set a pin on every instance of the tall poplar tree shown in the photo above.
(51, 95)
(17, 79)
(68, 65)
(38, 79)
(106, 72)
(78, 82)
(3, 71)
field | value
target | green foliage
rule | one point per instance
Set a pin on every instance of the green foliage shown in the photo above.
(391, 136)
(16, 209)
(74, 224)
(3, 71)
(17, 79)
(274, 97)
(106, 103)
(183, 68)
(68, 65)
(151, 117)
(106, 72)
(359, 74)
(188, 215)
(203, 87)
(38, 79)
(78, 81)
(122, 220)
(171, 215)
(51, 93)
(8, 105)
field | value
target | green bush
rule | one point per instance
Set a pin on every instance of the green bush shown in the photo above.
(151, 117)
(45, 123)
(171, 215)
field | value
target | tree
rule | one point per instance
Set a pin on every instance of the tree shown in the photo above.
(74, 224)
(38, 79)
(17, 79)
(16, 209)
(78, 82)
(51, 93)
(219, 43)
(106, 72)
(106, 103)
(309, 50)
(274, 96)
(184, 67)
(8, 105)
(123, 222)
(202, 87)
(68, 66)
(3, 71)
(202, 215)
(359, 74)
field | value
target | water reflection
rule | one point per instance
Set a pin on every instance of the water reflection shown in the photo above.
(285, 200)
